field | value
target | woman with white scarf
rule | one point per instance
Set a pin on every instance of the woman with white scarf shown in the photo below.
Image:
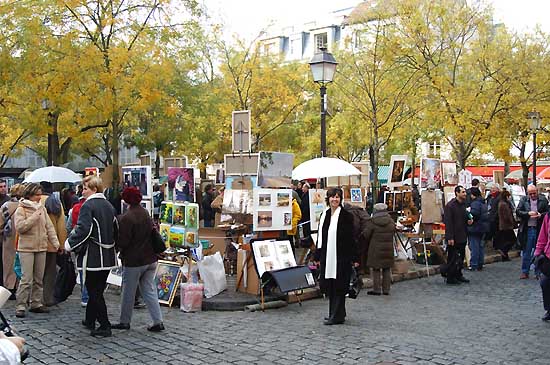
(336, 253)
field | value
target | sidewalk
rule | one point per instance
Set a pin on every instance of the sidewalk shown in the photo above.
(231, 300)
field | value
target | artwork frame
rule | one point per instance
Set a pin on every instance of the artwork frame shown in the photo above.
(275, 169)
(396, 174)
(241, 164)
(140, 177)
(430, 173)
(449, 176)
(272, 255)
(167, 279)
(356, 196)
(181, 181)
(277, 216)
(398, 201)
(389, 200)
(317, 205)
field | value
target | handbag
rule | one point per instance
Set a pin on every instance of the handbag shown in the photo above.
(355, 283)
(157, 242)
(542, 264)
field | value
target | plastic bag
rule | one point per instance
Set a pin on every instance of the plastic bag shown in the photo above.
(213, 275)
(191, 297)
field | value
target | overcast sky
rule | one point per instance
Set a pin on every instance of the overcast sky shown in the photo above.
(248, 17)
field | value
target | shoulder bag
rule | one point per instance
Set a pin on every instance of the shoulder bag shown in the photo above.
(157, 242)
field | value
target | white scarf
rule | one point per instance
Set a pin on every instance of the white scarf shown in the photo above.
(330, 263)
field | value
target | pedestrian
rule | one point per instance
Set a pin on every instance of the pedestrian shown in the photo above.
(217, 205)
(72, 218)
(380, 231)
(456, 219)
(296, 216)
(479, 227)
(4, 197)
(8, 245)
(304, 209)
(36, 232)
(207, 211)
(93, 240)
(469, 198)
(492, 206)
(505, 237)
(336, 253)
(531, 210)
(139, 261)
(57, 217)
(543, 248)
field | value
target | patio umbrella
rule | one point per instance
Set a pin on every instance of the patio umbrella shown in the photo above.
(544, 174)
(319, 168)
(518, 174)
(53, 174)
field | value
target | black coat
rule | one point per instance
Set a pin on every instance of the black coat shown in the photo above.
(522, 213)
(346, 250)
(93, 237)
(456, 221)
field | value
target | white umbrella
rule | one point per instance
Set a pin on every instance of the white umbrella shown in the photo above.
(319, 168)
(53, 174)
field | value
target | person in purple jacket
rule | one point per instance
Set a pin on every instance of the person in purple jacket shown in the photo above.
(543, 247)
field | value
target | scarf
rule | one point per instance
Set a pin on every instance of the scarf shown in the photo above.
(330, 264)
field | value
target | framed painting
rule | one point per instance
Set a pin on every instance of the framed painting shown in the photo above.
(398, 201)
(397, 170)
(430, 173)
(167, 280)
(388, 199)
(140, 177)
(355, 195)
(449, 175)
(182, 182)
(275, 169)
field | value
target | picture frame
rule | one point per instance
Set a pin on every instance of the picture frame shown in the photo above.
(167, 280)
(398, 201)
(275, 169)
(389, 200)
(397, 170)
(317, 205)
(241, 133)
(355, 195)
(140, 177)
(449, 175)
(181, 180)
(465, 178)
(241, 164)
(272, 209)
(430, 173)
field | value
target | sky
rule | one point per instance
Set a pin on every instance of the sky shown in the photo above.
(248, 17)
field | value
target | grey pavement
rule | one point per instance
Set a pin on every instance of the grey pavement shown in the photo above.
(493, 320)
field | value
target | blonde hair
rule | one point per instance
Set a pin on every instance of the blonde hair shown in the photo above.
(93, 182)
(32, 189)
(16, 191)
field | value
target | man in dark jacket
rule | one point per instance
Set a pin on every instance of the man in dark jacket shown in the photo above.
(379, 235)
(492, 206)
(480, 226)
(475, 184)
(531, 210)
(456, 219)
(207, 211)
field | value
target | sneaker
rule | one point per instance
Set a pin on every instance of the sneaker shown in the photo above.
(546, 317)
(101, 332)
(121, 326)
(139, 305)
(83, 304)
(524, 276)
(41, 309)
(20, 313)
(156, 327)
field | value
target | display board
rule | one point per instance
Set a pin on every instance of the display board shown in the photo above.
(430, 173)
(275, 169)
(397, 170)
(449, 175)
(272, 209)
(140, 177)
(272, 255)
(317, 205)
(179, 223)
(241, 130)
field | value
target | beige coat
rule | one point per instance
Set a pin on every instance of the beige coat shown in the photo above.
(58, 223)
(35, 229)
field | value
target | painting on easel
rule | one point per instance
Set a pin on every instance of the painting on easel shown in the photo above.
(167, 279)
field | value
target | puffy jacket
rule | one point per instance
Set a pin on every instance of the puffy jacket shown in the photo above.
(34, 227)
(480, 213)
(379, 233)
(296, 216)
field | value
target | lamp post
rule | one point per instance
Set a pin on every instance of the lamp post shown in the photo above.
(323, 68)
(46, 105)
(535, 121)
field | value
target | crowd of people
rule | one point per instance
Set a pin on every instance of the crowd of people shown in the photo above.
(472, 220)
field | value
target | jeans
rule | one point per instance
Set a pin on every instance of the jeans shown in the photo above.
(545, 286)
(477, 251)
(527, 253)
(83, 290)
(143, 276)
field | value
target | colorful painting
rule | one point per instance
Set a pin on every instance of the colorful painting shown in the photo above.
(356, 196)
(166, 212)
(388, 199)
(397, 170)
(164, 230)
(167, 279)
(191, 238)
(181, 180)
(275, 169)
(192, 216)
(430, 173)
(177, 235)
(178, 214)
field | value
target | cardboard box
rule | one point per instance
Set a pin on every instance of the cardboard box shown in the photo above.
(251, 282)
(216, 237)
(400, 267)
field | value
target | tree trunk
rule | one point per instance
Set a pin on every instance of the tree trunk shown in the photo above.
(115, 153)
(413, 164)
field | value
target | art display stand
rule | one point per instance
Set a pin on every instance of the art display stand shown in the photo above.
(290, 279)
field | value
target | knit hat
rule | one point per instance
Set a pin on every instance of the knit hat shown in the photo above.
(475, 191)
(379, 207)
(131, 195)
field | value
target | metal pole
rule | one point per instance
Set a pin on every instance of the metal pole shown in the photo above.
(535, 157)
(323, 122)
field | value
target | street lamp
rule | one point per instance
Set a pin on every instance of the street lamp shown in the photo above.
(46, 106)
(323, 68)
(535, 122)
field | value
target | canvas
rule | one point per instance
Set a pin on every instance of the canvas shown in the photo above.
(167, 279)
(449, 175)
(356, 196)
(397, 170)
(164, 230)
(220, 176)
(240, 182)
(166, 212)
(407, 199)
(182, 182)
(275, 169)
(140, 177)
(388, 200)
(241, 164)
(362, 180)
(430, 173)
(241, 130)
(317, 205)
(398, 201)
(178, 214)
(272, 209)
(498, 177)
(192, 216)
(237, 202)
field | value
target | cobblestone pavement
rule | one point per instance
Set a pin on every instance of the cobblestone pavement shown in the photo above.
(493, 320)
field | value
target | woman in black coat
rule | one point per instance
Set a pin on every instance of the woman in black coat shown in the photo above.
(336, 253)
(93, 241)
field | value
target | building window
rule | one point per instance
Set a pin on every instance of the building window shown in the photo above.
(321, 41)
(294, 43)
(435, 148)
